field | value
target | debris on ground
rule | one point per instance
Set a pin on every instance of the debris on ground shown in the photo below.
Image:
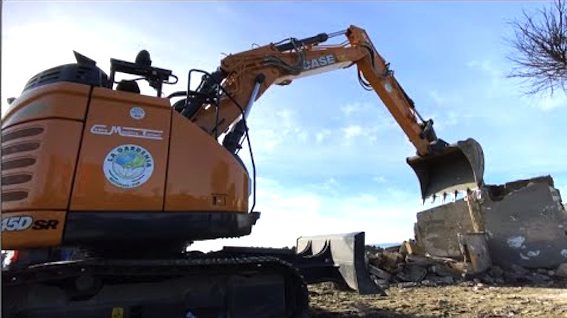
(466, 300)
(391, 267)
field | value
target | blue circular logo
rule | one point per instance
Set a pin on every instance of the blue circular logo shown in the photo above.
(128, 166)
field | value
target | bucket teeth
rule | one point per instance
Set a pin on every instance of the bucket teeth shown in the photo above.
(448, 196)
(453, 167)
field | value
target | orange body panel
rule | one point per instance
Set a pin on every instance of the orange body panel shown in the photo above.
(32, 229)
(59, 100)
(197, 159)
(38, 162)
(110, 125)
(59, 160)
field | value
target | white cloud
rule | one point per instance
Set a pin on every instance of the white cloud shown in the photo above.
(355, 107)
(449, 119)
(330, 184)
(352, 131)
(450, 99)
(366, 120)
(322, 135)
(487, 66)
(273, 130)
(379, 179)
(348, 109)
(266, 139)
(437, 98)
(550, 102)
(494, 75)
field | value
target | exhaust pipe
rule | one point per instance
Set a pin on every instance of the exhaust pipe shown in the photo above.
(454, 168)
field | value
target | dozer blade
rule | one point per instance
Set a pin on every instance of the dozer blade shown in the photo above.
(454, 168)
(346, 255)
(338, 258)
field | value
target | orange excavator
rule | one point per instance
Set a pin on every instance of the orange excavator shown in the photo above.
(103, 187)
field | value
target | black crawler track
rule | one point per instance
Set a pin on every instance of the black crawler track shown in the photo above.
(196, 287)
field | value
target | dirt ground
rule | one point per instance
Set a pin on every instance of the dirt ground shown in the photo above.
(464, 300)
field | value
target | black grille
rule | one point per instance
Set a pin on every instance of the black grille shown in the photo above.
(16, 179)
(19, 153)
(21, 147)
(21, 133)
(75, 73)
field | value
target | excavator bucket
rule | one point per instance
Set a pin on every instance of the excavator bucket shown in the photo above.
(456, 167)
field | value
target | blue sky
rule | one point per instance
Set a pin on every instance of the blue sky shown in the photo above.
(330, 159)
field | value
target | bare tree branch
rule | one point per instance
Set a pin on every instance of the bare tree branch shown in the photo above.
(540, 45)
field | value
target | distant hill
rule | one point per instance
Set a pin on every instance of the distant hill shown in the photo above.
(386, 245)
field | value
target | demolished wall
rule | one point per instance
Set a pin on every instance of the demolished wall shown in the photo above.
(524, 221)
(454, 231)
(436, 229)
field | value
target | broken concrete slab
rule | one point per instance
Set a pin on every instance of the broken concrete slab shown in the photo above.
(528, 225)
(475, 250)
(380, 273)
(519, 270)
(495, 271)
(412, 273)
(410, 247)
(536, 278)
(419, 260)
(525, 222)
(407, 284)
(389, 261)
(437, 228)
(433, 280)
(444, 270)
(561, 270)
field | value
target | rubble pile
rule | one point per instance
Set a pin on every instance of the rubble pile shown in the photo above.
(500, 251)
(522, 222)
(513, 233)
(401, 267)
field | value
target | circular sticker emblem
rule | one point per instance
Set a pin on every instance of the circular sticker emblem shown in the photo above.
(128, 166)
(137, 112)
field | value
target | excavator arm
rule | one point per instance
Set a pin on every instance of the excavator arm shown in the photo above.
(227, 95)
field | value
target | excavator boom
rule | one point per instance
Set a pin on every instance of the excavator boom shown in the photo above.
(441, 168)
